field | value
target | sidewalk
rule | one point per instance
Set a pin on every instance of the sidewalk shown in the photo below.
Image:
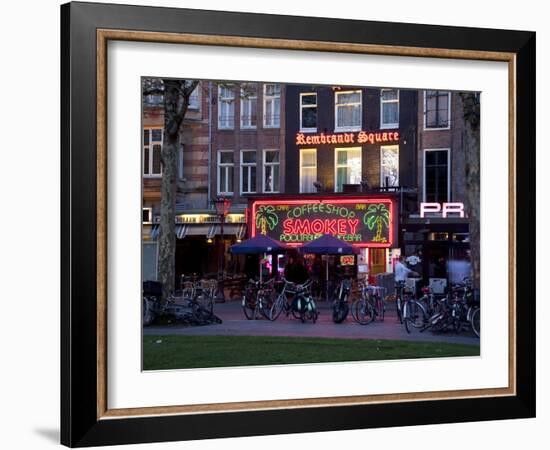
(236, 324)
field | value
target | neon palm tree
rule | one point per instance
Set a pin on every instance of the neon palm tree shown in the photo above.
(266, 218)
(377, 215)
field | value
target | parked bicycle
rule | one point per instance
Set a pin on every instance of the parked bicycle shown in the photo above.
(340, 307)
(363, 310)
(189, 310)
(258, 299)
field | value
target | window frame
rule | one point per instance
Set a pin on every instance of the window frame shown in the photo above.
(221, 99)
(244, 165)
(150, 209)
(272, 97)
(199, 97)
(265, 164)
(150, 144)
(255, 98)
(336, 166)
(302, 128)
(448, 150)
(381, 150)
(425, 115)
(352, 128)
(303, 150)
(389, 126)
(225, 166)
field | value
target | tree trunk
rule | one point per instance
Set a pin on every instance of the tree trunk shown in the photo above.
(175, 107)
(470, 107)
(167, 237)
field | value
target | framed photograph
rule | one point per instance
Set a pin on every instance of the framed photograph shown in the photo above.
(278, 224)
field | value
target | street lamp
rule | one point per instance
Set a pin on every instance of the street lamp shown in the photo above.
(222, 209)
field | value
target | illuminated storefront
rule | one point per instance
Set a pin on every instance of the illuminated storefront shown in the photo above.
(367, 222)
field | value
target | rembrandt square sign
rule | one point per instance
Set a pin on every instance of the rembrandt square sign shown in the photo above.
(361, 221)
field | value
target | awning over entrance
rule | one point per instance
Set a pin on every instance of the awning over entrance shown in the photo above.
(184, 230)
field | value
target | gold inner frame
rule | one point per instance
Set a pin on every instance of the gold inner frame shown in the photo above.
(103, 36)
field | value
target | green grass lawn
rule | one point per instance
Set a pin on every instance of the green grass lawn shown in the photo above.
(185, 352)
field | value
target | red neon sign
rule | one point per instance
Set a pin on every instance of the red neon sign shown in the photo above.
(363, 222)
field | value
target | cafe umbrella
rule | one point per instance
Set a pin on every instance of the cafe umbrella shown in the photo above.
(327, 244)
(260, 244)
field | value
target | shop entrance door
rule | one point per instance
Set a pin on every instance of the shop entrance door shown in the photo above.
(377, 262)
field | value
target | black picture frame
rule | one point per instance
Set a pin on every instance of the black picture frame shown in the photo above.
(80, 425)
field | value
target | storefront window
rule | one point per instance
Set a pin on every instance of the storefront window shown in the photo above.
(438, 236)
(308, 170)
(348, 167)
(389, 108)
(436, 176)
(308, 112)
(461, 237)
(248, 171)
(348, 110)
(271, 170)
(389, 165)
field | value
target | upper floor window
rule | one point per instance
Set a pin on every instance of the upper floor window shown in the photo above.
(248, 171)
(389, 165)
(225, 172)
(226, 107)
(249, 104)
(271, 171)
(272, 105)
(389, 108)
(152, 146)
(308, 170)
(348, 110)
(308, 112)
(348, 167)
(437, 180)
(437, 109)
(195, 98)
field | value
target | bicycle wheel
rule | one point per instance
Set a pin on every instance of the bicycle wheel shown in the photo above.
(277, 307)
(399, 309)
(249, 308)
(382, 311)
(475, 321)
(415, 315)
(362, 311)
(265, 304)
(148, 314)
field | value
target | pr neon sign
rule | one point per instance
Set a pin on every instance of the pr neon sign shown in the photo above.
(444, 208)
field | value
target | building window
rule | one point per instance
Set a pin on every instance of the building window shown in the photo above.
(437, 186)
(249, 104)
(152, 146)
(348, 110)
(248, 171)
(180, 162)
(308, 112)
(226, 108)
(225, 172)
(195, 98)
(272, 105)
(389, 108)
(271, 171)
(389, 165)
(348, 167)
(147, 215)
(437, 109)
(308, 170)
